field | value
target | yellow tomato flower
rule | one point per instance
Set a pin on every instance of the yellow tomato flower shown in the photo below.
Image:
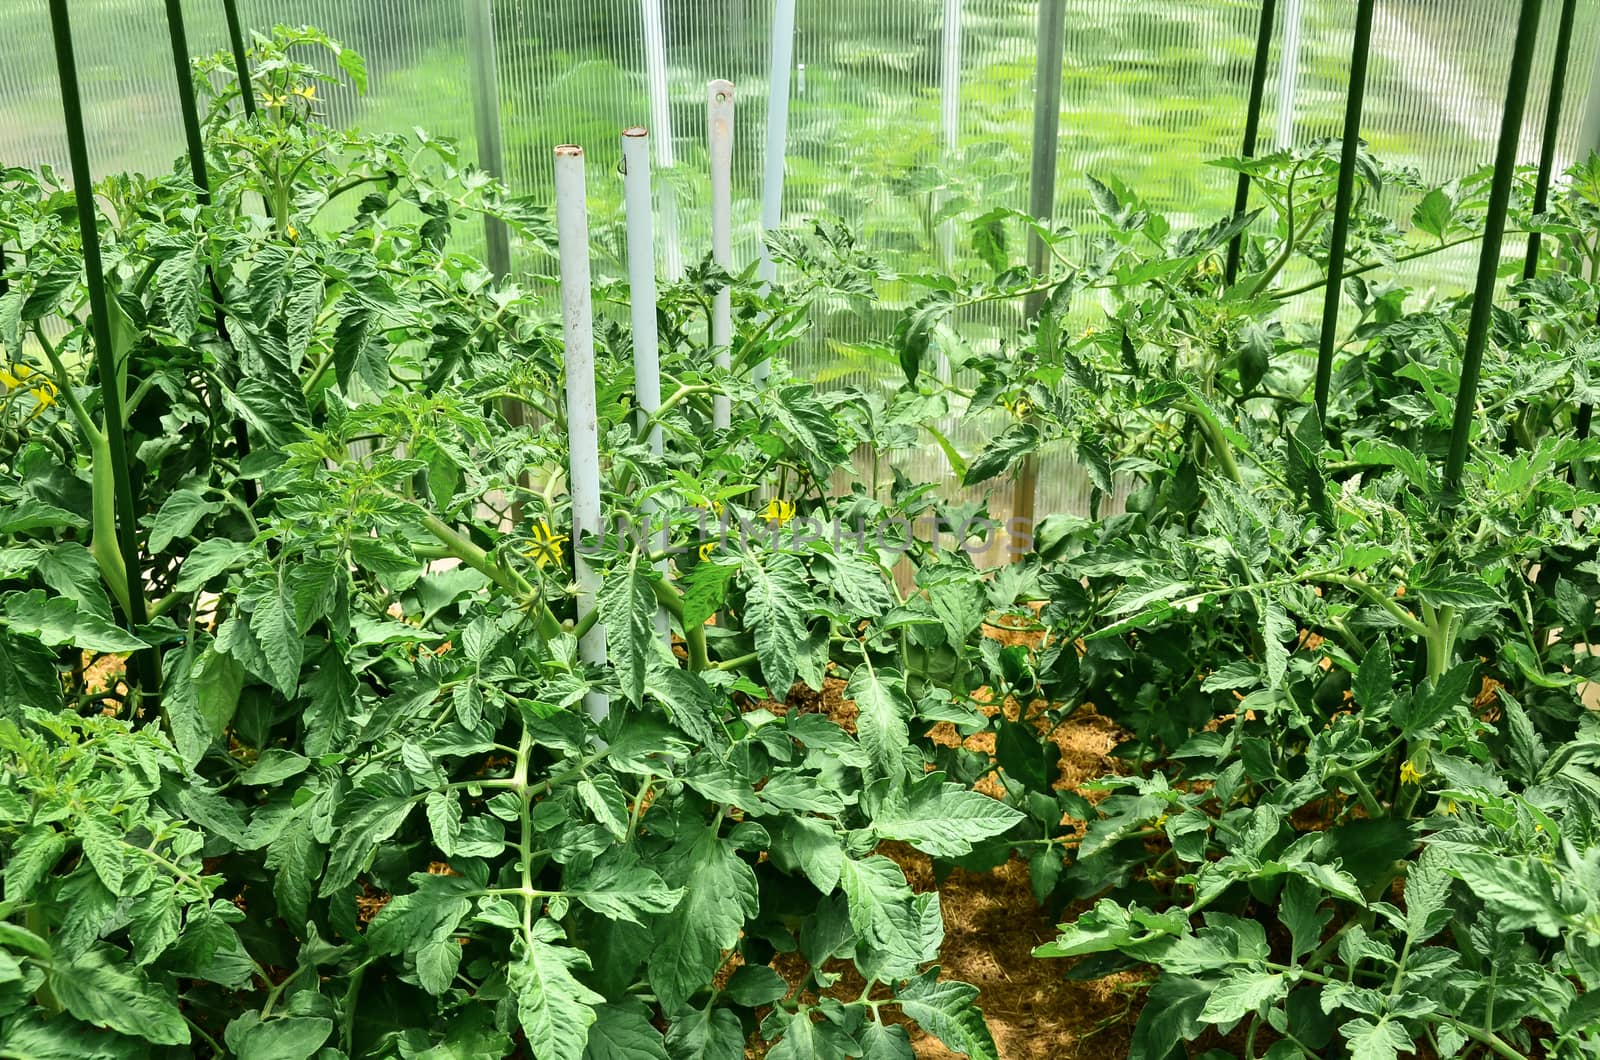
(1408, 773)
(546, 548)
(292, 232)
(306, 92)
(42, 389)
(1448, 807)
(275, 101)
(1161, 822)
(707, 548)
(778, 512)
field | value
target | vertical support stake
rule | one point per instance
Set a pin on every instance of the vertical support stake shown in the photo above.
(1494, 230)
(1552, 129)
(642, 304)
(1252, 128)
(1288, 74)
(483, 60)
(583, 426)
(100, 323)
(655, 61)
(719, 128)
(1342, 204)
(241, 63)
(777, 142)
(1042, 207)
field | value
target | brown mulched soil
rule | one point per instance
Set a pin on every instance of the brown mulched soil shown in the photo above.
(992, 922)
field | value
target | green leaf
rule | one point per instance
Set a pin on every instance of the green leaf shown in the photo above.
(882, 720)
(946, 1011)
(1000, 453)
(622, 1031)
(1170, 1014)
(1383, 1040)
(179, 515)
(817, 438)
(628, 610)
(811, 845)
(555, 1010)
(1434, 214)
(945, 820)
(1242, 992)
(284, 1038)
(112, 995)
(364, 822)
(1435, 701)
(777, 604)
(705, 588)
(57, 621)
(275, 765)
(619, 886)
(107, 853)
(296, 860)
(1299, 910)
(883, 1041)
(201, 695)
(209, 559)
(30, 859)
(719, 896)
(989, 239)
(277, 632)
(886, 917)
(1254, 353)
(711, 1033)
(804, 1038)
(1373, 687)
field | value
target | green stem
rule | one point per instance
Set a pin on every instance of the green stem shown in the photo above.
(694, 636)
(1215, 437)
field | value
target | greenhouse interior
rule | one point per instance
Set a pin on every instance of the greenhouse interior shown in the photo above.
(721, 529)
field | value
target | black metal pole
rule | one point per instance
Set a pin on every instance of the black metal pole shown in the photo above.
(1354, 101)
(100, 313)
(1552, 129)
(1252, 127)
(1494, 229)
(247, 91)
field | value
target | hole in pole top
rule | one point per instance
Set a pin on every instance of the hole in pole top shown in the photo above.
(636, 131)
(569, 150)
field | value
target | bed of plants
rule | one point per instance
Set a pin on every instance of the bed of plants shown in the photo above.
(308, 771)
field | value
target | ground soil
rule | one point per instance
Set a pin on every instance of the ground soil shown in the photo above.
(992, 922)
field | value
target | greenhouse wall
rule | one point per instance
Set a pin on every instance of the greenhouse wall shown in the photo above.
(881, 134)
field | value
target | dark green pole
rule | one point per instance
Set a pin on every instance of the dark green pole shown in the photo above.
(100, 312)
(1494, 229)
(247, 91)
(1552, 129)
(1354, 100)
(1252, 127)
(202, 181)
(186, 104)
(1041, 199)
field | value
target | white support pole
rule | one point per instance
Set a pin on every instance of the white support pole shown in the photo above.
(577, 318)
(655, 63)
(642, 299)
(782, 58)
(950, 110)
(1288, 73)
(719, 128)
